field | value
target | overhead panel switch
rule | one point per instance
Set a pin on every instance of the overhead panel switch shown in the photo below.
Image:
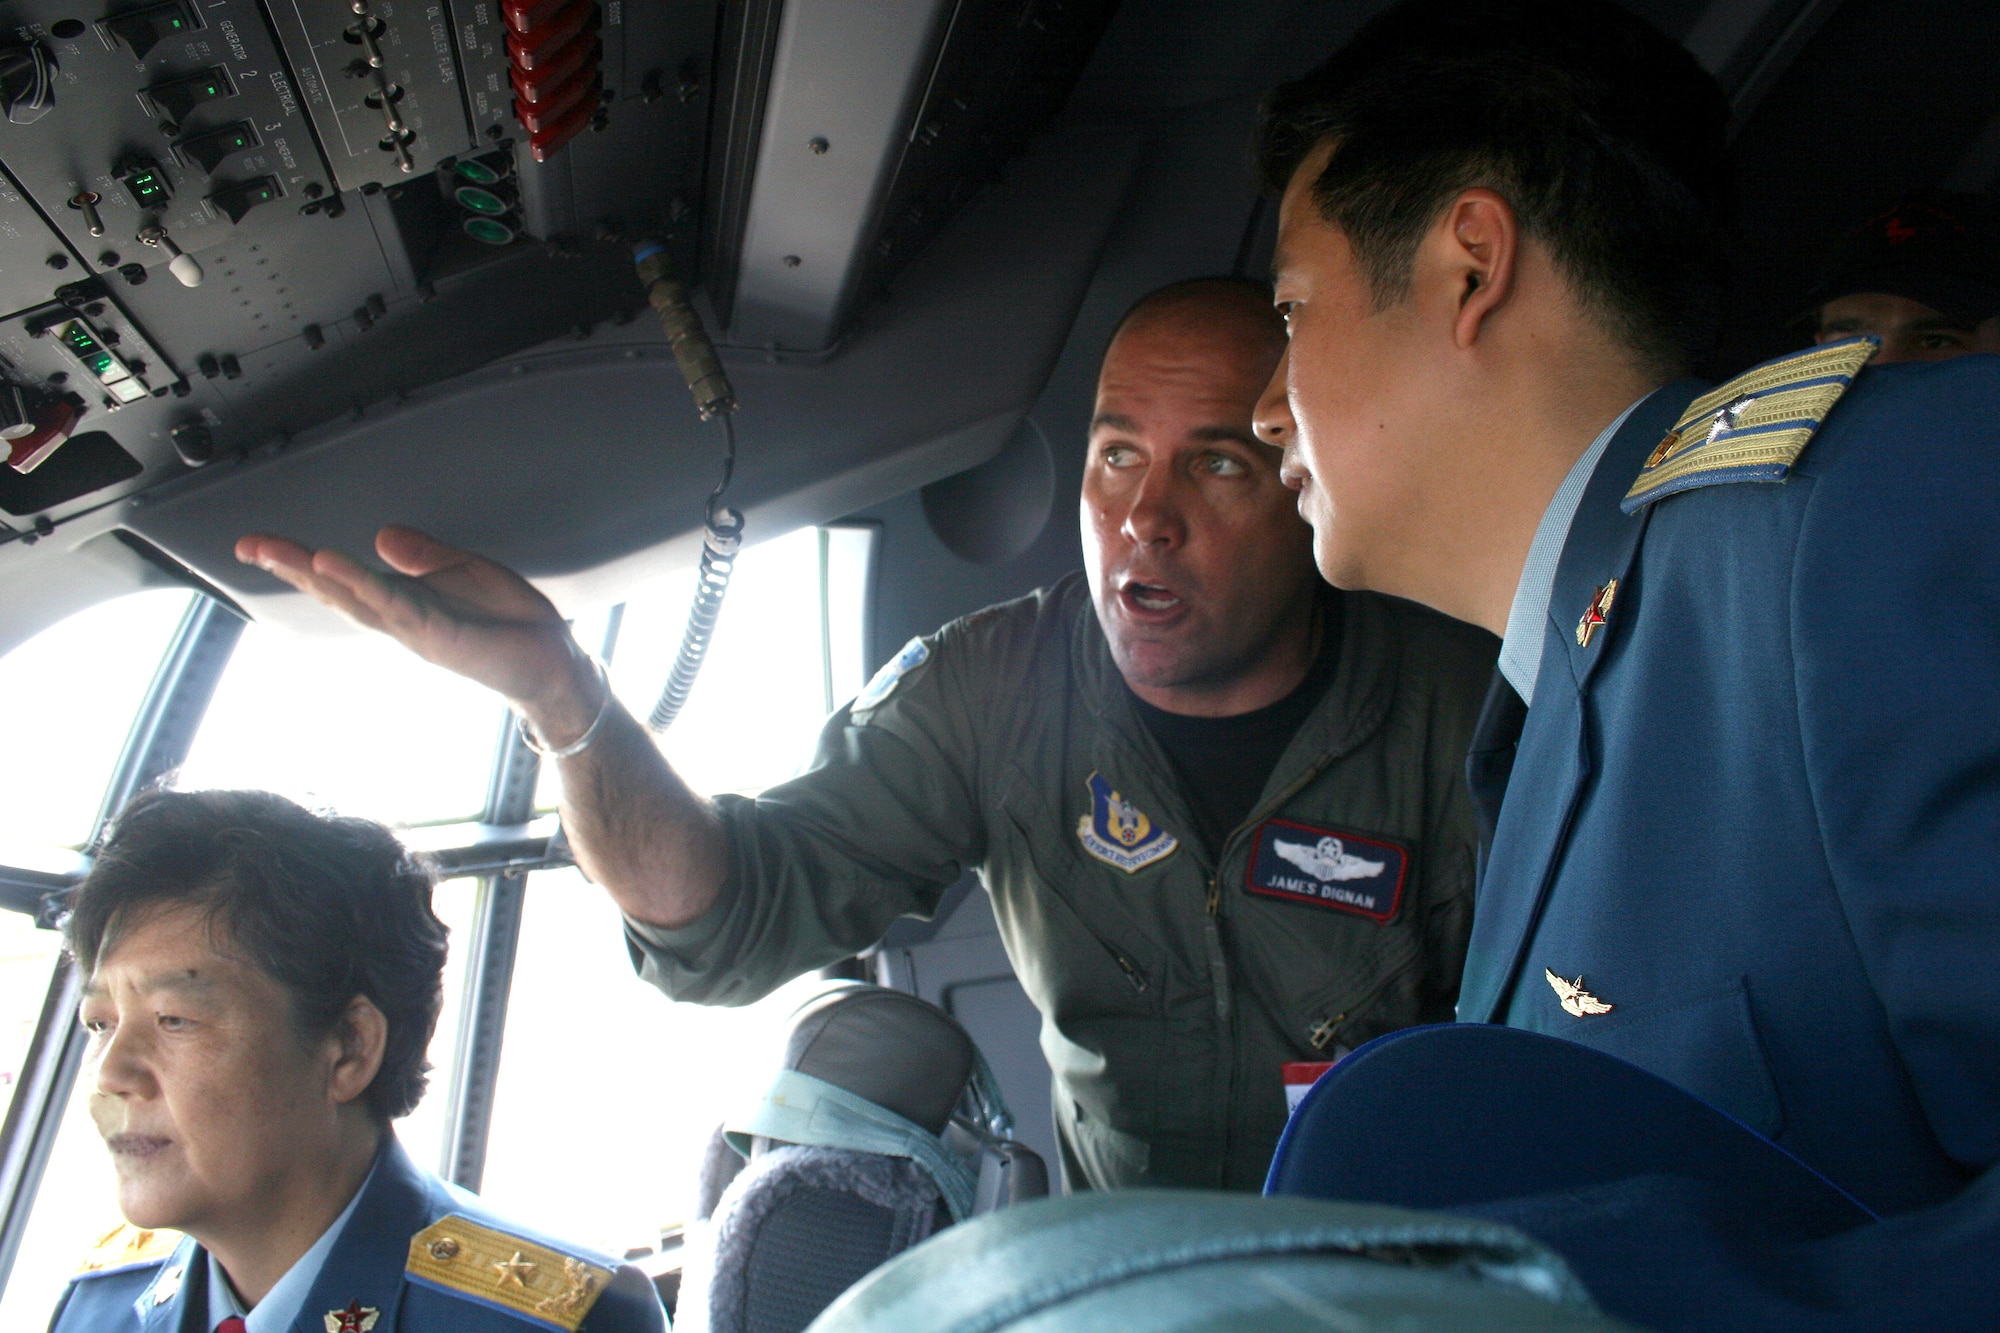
(177, 98)
(144, 29)
(236, 201)
(209, 151)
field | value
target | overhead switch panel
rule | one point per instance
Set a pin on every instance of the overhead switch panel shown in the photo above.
(209, 151)
(143, 29)
(177, 98)
(235, 201)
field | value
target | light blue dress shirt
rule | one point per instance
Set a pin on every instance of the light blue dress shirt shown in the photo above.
(280, 1306)
(1521, 646)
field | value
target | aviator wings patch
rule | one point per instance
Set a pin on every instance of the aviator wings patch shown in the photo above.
(1325, 867)
(1119, 833)
(1327, 859)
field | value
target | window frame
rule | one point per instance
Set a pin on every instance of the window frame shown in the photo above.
(500, 850)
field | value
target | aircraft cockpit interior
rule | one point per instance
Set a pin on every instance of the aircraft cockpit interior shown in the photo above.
(762, 338)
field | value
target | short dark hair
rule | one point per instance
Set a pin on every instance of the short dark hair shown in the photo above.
(329, 908)
(1605, 136)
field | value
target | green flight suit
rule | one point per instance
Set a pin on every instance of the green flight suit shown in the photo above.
(1170, 993)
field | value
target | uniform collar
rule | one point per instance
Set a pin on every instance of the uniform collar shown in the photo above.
(366, 1268)
(281, 1305)
(1521, 648)
(1353, 705)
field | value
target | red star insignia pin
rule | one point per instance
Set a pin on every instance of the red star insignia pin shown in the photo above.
(356, 1318)
(1594, 614)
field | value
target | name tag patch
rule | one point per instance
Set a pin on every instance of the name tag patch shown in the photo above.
(1328, 868)
(1119, 833)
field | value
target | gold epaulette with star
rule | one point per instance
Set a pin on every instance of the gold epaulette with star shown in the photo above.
(528, 1278)
(125, 1245)
(1754, 427)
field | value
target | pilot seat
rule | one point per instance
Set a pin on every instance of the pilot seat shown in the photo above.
(882, 1127)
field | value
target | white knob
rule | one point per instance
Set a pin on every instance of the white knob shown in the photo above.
(185, 268)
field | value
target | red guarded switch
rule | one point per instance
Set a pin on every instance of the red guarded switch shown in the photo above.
(531, 51)
(535, 87)
(586, 85)
(555, 136)
(528, 15)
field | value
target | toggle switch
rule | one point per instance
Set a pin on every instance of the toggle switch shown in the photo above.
(86, 204)
(184, 267)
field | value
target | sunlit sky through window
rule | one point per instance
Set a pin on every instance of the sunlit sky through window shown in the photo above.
(72, 692)
(607, 1090)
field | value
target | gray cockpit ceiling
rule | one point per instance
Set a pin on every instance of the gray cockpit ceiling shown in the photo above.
(523, 409)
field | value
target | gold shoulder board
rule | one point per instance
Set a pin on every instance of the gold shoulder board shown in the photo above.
(126, 1244)
(1754, 427)
(530, 1279)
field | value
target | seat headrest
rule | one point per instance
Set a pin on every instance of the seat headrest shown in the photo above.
(889, 1047)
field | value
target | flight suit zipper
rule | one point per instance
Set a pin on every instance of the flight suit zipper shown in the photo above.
(1218, 965)
(1218, 960)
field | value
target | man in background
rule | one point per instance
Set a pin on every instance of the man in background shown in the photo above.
(1923, 277)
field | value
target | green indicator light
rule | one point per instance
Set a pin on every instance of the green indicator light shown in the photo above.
(480, 201)
(488, 231)
(477, 172)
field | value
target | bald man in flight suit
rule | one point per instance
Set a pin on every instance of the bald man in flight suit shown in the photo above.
(1219, 807)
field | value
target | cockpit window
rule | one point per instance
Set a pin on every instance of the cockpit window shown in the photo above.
(72, 692)
(789, 648)
(352, 722)
(608, 1091)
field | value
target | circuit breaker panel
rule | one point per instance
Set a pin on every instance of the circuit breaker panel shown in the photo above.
(225, 224)
(224, 221)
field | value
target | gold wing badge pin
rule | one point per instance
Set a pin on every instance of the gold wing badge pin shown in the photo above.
(1575, 999)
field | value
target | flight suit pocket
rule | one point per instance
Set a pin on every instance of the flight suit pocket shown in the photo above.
(1375, 996)
(1089, 963)
(1706, 1043)
(1109, 1158)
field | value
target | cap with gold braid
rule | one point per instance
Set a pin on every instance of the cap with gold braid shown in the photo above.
(529, 1279)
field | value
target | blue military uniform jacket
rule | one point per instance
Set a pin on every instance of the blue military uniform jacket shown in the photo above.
(1752, 821)
(416, 1255)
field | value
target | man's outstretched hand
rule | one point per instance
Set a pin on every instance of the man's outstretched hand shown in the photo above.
(459, 610)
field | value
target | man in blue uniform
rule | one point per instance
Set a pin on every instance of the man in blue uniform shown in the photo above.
(262, 985)
(1746, 727)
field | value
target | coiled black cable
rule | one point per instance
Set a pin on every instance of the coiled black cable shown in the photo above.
(719, 545)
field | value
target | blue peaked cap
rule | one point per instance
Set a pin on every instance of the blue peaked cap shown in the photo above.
(1674, 1214)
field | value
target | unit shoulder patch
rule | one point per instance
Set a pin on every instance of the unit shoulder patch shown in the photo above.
(1754, 427)
(914, 654)
(125, 1245)
(1120, 834)
(1326, 867)
(506, 1272)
